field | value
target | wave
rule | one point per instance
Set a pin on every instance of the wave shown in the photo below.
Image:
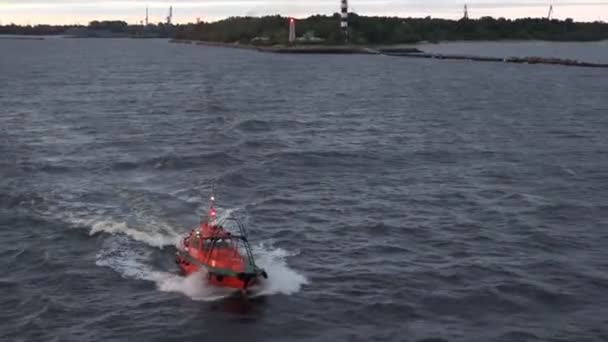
(21, 199)
(262, 144)
(43, 166)
(325, 158)
(259, 126)
(159, 162)
(237, 178)
(254, 125)
(178, 162)
(133, 262)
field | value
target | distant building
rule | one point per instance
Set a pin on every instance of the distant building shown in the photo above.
(310, 38)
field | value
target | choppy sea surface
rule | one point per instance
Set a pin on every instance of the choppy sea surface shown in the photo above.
(389, 199)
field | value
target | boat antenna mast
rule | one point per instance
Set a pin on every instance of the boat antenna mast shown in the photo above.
(212, 210)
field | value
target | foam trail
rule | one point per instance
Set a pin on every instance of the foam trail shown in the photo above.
(124, 257)
(132, 260)
(155, 234)
(154, 239)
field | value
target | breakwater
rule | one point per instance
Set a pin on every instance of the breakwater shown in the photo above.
(517, 60)
(307, 49)
(283, 49)
(395, 52)
(215, 44)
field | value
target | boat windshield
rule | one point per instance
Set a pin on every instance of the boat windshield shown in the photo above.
(223, 243)
(215, 244)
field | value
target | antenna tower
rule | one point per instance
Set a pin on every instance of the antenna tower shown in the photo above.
(170, 16)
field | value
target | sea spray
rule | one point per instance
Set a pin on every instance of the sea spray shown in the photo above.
(281, 278)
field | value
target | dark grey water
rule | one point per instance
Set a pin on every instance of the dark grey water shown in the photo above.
(390, 199)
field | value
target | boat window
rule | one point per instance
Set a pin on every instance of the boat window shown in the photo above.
(222, 243)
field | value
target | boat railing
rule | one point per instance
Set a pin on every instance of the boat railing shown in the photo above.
(238, 223)
(245, 245)
(241, 227)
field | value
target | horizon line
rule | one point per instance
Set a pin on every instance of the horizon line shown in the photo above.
(301, 17)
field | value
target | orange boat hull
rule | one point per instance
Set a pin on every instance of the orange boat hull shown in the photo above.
(216, 279)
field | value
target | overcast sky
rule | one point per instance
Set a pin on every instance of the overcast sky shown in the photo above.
(83, 11)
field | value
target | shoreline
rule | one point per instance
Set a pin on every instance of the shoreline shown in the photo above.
(392, 51)
(308, 49)
(8, 37)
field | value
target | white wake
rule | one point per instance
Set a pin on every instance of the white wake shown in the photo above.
(127, 252)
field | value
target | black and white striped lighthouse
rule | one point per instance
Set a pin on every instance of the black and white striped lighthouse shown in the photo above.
(344, 20)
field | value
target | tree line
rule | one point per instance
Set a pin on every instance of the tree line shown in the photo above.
(93, 29)
(362, 29)
(394, 30)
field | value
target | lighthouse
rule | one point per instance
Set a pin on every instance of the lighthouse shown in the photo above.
(292, 30)
(344, 20)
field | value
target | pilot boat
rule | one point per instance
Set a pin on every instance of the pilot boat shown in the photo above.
(220, 248)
